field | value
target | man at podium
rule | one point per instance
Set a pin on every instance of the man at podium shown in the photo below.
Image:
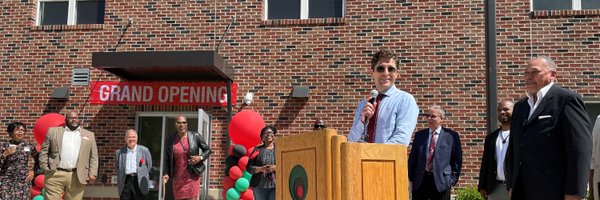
(390, 117)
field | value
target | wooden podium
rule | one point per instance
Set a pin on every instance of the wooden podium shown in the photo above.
(323, 165)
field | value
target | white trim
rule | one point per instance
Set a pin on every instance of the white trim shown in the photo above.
(576, 4)
(71, 11)
(304, 9)
(266, 9)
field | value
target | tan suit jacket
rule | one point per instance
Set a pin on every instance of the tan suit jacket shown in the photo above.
(87, 161)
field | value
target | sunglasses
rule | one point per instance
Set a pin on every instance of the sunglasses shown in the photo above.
(319, 126)
(381, 69)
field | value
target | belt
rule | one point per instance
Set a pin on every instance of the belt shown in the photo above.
(66, 170)
(428, 173)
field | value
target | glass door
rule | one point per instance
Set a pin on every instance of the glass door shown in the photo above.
(153, 128)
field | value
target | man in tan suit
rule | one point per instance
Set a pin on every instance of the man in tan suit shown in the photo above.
(69, 158)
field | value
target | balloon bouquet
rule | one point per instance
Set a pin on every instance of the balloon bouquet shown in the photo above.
(40, 129)
(244, 131)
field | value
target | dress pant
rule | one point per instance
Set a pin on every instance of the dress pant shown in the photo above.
(518, 191)
(63, 181)
(427, 190)
(499, 192)
(131, 189)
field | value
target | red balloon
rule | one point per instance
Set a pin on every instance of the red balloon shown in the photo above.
(247, 195)
(228, 182)
(230, 151)
(39, 181)
(35, 190)
(40, 129)
(245, 127)
(243, 162)
(235, 172)
(38, 147)
(254, 155)
(249, 150)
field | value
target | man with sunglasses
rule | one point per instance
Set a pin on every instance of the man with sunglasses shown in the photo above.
(392, 116)
(435, 159)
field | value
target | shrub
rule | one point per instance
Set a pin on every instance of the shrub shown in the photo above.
(468, 194)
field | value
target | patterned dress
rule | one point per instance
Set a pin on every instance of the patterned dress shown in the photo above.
(185, 184)
(14, 170)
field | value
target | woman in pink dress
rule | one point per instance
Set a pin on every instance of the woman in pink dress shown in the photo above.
(183, 163)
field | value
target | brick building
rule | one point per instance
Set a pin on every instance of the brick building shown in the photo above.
(274, 46)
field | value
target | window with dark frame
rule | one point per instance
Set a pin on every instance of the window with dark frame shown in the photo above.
(565, 4)
(56, 12)
(293, 9)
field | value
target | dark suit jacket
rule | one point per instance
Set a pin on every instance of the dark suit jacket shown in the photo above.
(447, 160)
(142, 171)
(551, 151)
(488, 169)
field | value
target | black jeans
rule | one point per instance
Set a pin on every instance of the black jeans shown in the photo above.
(427, 190)
(131, 189)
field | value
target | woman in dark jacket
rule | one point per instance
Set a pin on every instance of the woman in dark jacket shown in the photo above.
(184, 163)
(263, 166)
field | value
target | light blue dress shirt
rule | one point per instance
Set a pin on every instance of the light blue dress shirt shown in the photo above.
(396, 118)
(131, 164)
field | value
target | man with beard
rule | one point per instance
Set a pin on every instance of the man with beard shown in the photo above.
(69, 159)
(491, 174)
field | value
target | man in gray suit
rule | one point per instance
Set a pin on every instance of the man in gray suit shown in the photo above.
(133, 166)
(69, 159)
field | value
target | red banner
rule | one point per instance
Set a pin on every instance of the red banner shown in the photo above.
(162, 93)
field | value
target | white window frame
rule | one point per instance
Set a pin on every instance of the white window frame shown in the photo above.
(576, 4)
(71, 16)
(303, 9)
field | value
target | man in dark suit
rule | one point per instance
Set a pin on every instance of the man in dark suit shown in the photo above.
(551, 142)
(133, 168)
(69, 159)
(491, 174)
(435, 159)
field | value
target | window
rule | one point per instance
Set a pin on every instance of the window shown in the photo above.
(303, 9)
(565, 4)
(70, 12)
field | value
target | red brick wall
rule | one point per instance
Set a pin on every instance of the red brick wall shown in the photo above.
(441, 44)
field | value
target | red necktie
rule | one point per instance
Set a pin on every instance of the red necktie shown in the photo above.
(373, 121)
(429, 166)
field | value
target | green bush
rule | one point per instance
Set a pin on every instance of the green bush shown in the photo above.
(468, 194)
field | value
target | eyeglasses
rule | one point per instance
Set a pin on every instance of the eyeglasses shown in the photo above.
(181, 122)
(381, 69)
(431, 116)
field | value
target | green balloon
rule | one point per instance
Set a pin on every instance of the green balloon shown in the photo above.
(247, 175)
(242, 184)
(232, 194)
(43, 191)
(38, 197)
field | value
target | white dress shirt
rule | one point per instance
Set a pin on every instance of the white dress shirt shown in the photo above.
(69, 151)
(540, 95)
(130, 163)
(501, 147)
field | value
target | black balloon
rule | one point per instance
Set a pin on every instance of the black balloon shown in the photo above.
(239, 150)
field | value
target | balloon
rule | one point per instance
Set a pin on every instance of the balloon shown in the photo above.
(228, 182)
(39, 181)
(245, 127)
(253, 154)
(38, 197)
(230, 150)
(230, 161)
(40, 129)
(235, 172)
(232, 194)
(38, 147)
(249, 150)
(43, 191)
(242, 184)
(239, 150)
(243, 162)
(247, 195)
(247, 175)
(35, 190)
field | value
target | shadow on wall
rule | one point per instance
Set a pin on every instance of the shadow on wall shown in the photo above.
(290, 111)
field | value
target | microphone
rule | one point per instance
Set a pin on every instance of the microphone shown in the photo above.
(373, 94)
